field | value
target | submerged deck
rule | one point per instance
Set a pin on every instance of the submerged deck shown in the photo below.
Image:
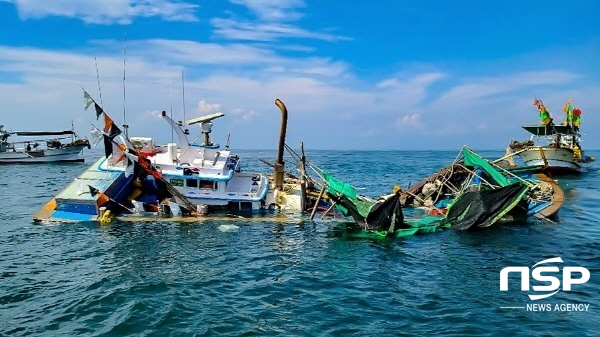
(75, 202)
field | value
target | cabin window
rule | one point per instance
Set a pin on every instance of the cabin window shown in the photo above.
(241, 206)
(191, 183)
(206, 184)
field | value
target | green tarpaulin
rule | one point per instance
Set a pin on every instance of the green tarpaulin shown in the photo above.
(337, 188)
(472, 159)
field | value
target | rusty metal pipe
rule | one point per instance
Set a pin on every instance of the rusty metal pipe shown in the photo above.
(279, 163)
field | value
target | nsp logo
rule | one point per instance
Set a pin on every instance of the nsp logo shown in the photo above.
(539, 273)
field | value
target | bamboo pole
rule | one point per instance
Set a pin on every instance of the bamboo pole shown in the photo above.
(303, 178)
(423, 201)
(312, 215)
(512, 154)
(327, 211)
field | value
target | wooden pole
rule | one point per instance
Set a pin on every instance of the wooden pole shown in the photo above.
(543, 156)
(303, 178)
(312, 215)
(327, 211)
(512, 154)
(423, 201)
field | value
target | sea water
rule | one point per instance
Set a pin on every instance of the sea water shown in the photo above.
(287, 276)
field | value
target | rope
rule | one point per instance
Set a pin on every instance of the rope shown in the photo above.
(422, 201)
(543, 191)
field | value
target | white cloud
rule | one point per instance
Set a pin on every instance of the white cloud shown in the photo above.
(206, 108)
(108, 11)
(272, 23)
(251, 31)
(483, 87)
(190, 52)
(420, 80)
(326, 107)
(243, 115)
(273, 10)
(412, 120)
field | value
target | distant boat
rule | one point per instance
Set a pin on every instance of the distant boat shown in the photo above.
(553, 148)
(33, 149)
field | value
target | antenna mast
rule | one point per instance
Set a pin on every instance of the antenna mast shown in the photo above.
(98, 79)
(171, 102)
(125, 126)
(183, 91)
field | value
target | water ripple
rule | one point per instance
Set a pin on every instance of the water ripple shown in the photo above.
(284, 277)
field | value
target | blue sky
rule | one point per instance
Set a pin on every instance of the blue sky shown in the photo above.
(388, 74)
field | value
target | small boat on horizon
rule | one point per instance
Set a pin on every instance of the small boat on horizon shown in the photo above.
(49, 149)
(554, 149)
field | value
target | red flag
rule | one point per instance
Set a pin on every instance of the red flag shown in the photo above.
(110, 128)
(108, 122)
(102, 198)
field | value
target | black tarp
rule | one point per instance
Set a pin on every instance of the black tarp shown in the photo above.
(476, 209)
(45, 133)
(383, 216)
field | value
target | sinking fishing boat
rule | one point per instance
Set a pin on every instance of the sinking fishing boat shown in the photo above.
(210, 177)
(552, 148)
(381, 217)
(473, 180)
(187, 179)
(480, 197)
(31, 148)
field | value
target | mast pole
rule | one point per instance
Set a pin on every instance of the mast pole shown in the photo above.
(171, 102)
(98, 79)
(183, 92)
(125, 126)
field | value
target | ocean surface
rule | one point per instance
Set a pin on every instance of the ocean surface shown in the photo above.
(284, 275)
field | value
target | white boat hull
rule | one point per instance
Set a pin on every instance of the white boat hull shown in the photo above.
(67, 154)
(557, 159)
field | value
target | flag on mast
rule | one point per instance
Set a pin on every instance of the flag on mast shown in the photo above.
(545, 118)
(576, 119)
(102, 198)
(87, 100)
(568, 110)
